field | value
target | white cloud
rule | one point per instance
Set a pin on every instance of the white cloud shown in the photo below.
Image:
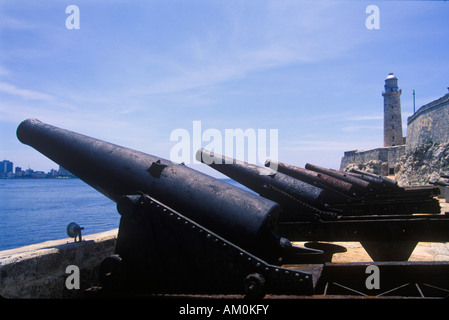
(24, 93)
(7, 22)
(318, 145)
(4, 71)
(366, 117)
(250, 40)
(360, 128)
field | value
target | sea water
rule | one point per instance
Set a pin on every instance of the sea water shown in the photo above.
(38, 210)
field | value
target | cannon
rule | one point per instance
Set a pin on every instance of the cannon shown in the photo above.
(184, 232)
(380, 183)
(384, 223)
(360, 184)
(117, 172)
(300, 200)
(177, 225)
(363, 193)
(335, 190)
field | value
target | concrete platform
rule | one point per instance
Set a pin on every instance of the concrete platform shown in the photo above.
(424, 251)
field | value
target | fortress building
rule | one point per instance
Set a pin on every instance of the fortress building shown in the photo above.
(430, 124)
(383, 160)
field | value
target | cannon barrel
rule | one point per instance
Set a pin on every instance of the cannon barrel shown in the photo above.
(237, 215)
(335, 189)
(296, 197)
(440, 183)
(378, 181)
(360, 184)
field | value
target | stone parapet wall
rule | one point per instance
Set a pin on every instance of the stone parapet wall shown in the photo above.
(39, 271)
(379, 160)
(430, 124)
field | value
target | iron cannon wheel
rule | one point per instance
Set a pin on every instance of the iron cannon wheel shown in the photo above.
(108, 271)
(254, 284)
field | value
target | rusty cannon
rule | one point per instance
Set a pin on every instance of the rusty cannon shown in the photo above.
(382, 195)
(184, 232)
(301, 201)
(363, 193)
(346, 215)
(180, 230)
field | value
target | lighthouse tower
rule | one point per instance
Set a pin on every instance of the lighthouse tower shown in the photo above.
(392, 112)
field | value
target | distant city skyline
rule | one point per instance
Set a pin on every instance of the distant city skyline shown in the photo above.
(131, 73)
(8, 170)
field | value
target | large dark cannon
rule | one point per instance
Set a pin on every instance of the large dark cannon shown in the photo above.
(148, 190)
(117, 171)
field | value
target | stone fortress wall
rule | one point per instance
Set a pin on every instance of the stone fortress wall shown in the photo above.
(380, 160)
(426, 156)
(429, 124)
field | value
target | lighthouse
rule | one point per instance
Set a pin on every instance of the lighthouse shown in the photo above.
(392, 112)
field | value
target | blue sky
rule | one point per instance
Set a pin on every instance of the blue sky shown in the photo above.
(137, 70)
